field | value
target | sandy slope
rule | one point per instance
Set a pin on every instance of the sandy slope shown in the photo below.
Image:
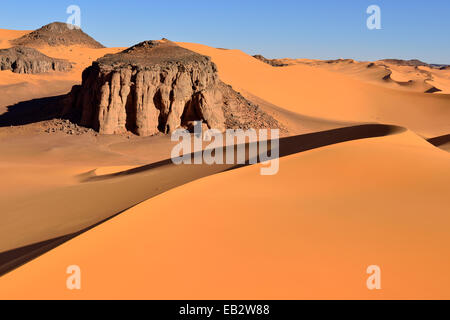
(60, 172)
(7, 35)
(308, 232)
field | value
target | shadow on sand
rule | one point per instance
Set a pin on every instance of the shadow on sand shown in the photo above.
(12, 259)
(439, 141)
(32, 111)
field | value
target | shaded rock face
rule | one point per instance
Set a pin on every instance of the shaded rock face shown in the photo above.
(28, 60)
(155, 86)
(57, 34)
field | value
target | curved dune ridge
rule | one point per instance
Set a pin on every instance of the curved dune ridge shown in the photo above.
(349, 193)
(129, 187)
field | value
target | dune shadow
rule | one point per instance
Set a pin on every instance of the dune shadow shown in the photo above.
(287, 146)
(12, 259)
(32, 111)
(439, 141)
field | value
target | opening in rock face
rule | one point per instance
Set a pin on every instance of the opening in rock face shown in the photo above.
(157, 86)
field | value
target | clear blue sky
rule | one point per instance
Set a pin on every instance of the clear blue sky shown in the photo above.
(322, 29)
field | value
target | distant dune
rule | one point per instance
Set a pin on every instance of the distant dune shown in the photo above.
(410, 75)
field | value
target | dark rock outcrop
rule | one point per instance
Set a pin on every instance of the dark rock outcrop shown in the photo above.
(272, 62)
(28, 60)
(410, 63)
(158, 86)
(57, 34)
(335, 61)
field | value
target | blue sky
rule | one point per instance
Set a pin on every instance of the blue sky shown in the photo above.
(322, 29)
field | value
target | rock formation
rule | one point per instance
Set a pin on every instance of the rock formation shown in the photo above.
(158, 86)
(57, 34)
(28, 60)
(410, 63)
(272, 62)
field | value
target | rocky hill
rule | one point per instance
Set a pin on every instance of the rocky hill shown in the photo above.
(158, 86)
(28, 60)
(272, 62)
(57, 34)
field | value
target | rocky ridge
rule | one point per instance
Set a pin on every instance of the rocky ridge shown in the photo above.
(21, 59)
(272, 62)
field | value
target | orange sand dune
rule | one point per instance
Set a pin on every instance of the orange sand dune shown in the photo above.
(329, 95)
(7, 35)
(65, 163)
(309, 232)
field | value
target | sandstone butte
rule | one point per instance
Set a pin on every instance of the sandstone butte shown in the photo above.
(158, 86)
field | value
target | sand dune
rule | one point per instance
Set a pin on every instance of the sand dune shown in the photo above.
(391, 74)
(347, 206)
(349, 193)
(7, 35)
(93, 191)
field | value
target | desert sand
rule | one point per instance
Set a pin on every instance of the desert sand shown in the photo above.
(348, 195)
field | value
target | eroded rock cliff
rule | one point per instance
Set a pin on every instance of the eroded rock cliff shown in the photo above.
(157, 86)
